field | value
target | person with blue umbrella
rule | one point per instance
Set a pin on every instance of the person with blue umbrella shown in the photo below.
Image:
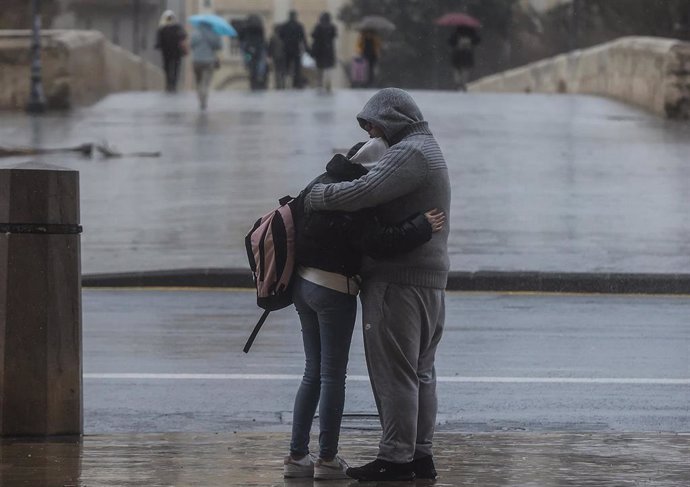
(219, 25)
(205, 44)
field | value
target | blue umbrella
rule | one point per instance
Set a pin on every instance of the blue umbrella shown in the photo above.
(219, 25)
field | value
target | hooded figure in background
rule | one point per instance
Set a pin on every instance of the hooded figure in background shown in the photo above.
(170, 40)
(323, 49)
(402, 295)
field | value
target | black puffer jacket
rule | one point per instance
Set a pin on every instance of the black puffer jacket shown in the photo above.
(335, 241)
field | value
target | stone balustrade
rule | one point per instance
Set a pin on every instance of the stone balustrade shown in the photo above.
(78, 68)
(646, 71)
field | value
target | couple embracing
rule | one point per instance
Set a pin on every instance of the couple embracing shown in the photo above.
(374, 225)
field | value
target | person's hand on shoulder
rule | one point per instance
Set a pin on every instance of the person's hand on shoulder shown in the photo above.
(436, 219)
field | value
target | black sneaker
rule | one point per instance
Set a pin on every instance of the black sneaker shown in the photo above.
(382, 470)
(424, 468)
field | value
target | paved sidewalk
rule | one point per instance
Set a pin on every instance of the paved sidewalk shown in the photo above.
(247, 460)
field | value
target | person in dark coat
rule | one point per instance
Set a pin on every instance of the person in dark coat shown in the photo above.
(294, 44)
(253, 44)
(462, 42)
(170, 39)
(323, 49)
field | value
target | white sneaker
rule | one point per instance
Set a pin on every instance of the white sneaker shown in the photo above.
(298, 469)
(332, 470)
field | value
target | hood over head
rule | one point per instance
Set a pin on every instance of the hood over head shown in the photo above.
(391, 109)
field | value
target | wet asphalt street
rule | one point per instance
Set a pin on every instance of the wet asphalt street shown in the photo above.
(166, 361)
(534, 390)
(540, 182)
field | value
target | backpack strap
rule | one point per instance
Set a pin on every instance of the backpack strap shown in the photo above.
(255, 332)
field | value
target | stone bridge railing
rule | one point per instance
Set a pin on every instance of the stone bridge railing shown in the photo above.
(79, 68)
(646, 71)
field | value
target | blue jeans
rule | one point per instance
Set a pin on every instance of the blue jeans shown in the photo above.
(328, 319)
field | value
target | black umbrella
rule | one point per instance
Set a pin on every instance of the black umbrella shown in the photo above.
(376, 23)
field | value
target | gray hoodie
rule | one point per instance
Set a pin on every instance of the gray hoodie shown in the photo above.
(411, 177)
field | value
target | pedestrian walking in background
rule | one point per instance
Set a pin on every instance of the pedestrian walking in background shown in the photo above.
(171, 41)
(205, 45)
(323, 50)
(253, 44)
(329, 251)
(403, 296)
(462, 42)
(369, 49)
(294, 44)
(276, 55)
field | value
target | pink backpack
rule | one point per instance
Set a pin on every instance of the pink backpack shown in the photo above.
(271, 252)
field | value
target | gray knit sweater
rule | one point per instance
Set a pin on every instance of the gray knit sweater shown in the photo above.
(410, 177)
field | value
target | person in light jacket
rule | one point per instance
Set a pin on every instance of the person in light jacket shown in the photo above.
(205, 45)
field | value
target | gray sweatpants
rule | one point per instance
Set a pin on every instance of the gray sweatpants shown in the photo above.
(203, 74)
(402, 328)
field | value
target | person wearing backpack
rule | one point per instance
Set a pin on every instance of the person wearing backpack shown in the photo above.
(400, 344)
(329, 250)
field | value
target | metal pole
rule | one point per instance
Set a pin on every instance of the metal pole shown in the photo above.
(37, 102)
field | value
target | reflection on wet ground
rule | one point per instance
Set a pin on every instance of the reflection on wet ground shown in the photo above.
(540, 182)
(249, 459)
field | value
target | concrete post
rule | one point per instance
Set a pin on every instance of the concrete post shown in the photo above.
(40, 302)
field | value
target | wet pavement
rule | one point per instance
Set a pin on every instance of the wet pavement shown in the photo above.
(540, 182)
(244, 460)
(535, 391)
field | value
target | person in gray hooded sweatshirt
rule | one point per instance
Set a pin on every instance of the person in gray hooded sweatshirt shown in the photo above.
(403, 295)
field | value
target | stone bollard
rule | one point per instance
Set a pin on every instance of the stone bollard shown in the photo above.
(40, 302)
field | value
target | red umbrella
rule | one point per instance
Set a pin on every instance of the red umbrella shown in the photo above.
(458, 19)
